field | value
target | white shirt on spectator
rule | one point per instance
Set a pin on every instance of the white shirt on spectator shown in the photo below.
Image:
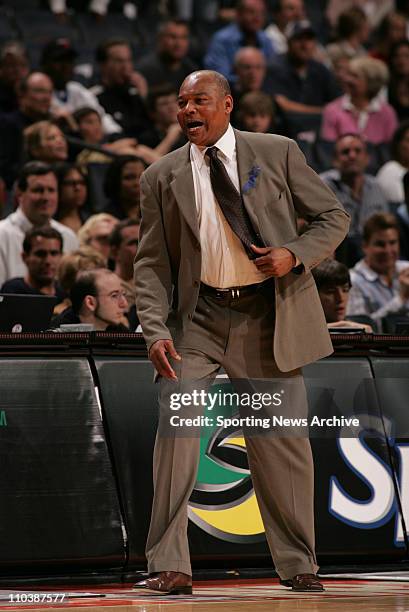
(390, 177)
(76, 96)
(371, 295)
(12, 231)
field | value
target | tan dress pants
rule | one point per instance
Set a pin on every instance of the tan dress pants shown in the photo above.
(238, 337)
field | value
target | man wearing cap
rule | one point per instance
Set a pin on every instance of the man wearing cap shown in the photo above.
(300, 83)
(57, 61)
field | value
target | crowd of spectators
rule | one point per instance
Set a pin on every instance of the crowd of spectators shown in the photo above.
(81, 122)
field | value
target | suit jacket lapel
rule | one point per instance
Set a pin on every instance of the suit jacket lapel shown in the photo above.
(183, 189)
(246, 161)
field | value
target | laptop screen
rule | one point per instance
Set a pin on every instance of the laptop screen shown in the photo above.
(25, 313)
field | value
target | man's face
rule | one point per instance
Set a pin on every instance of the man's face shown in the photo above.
(125, 253)
(166, 110)
(99, 236)
(111, 304)
(174, 41)
(257, 123)
(251, 16)
(14, 68)
(204, 110)
(302, 48)
(251, 70)
(39, 201)
(118, 68)
(36, 101)
(291, 10)
(43, 260)
(90, 128)
(60, 71)
(351, 156)
(130, 181)
(400, 60)
(334, 300)
(382, 251)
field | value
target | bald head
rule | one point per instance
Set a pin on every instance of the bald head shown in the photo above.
(212, 77)
(250, 66)
(205, 104)
(35, 95)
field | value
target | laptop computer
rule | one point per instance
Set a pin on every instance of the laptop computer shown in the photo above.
(25, 313)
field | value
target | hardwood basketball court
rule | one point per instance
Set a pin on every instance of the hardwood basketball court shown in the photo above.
(253, 595)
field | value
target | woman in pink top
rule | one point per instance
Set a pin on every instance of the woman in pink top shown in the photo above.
(363, 109)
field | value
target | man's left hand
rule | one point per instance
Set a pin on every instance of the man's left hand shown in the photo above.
(275, 261)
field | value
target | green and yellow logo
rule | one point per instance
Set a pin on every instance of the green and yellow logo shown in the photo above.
(223, 502)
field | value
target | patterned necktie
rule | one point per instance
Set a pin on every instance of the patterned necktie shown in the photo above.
(231, 203)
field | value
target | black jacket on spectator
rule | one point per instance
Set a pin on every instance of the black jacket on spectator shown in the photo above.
(157, 70)
(152, 137)
(125, 105)
(316, 88)
(8, 99)
(68, 317)
(18, 285)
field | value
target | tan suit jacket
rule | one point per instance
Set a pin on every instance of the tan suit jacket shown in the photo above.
(168, 261)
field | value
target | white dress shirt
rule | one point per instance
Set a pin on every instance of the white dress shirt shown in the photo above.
(224, 260)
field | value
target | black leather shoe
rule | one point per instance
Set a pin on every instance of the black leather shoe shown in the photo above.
(306, 583)
(168, 583)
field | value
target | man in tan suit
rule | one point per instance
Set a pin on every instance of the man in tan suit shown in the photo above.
(223, 279)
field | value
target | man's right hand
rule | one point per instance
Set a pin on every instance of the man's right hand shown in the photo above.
(157, 355)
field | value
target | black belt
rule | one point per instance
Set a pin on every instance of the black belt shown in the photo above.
(234, 293)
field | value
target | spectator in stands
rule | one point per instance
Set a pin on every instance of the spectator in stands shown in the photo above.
(352, 33)
(286, 12)
(72, 196)
(256, 112)
(374, 9)
(390, 176)
(122, 187)
(57, 61)
(169, 63)
(35, 94)
(90, 129)
(164, 133)
(299, 83)
(44, 141)
(14, 67)
(398, 91)
(380, 281)
(402, 217)
(333, 284)
(121, 90)
(359, 193)
(84, 258)
(42, 251)
(251, 69)
(362, 109)
(97, 299)
(247, 31)
(124, 241)
(37, 197)
(95, 233)
(391, 30)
